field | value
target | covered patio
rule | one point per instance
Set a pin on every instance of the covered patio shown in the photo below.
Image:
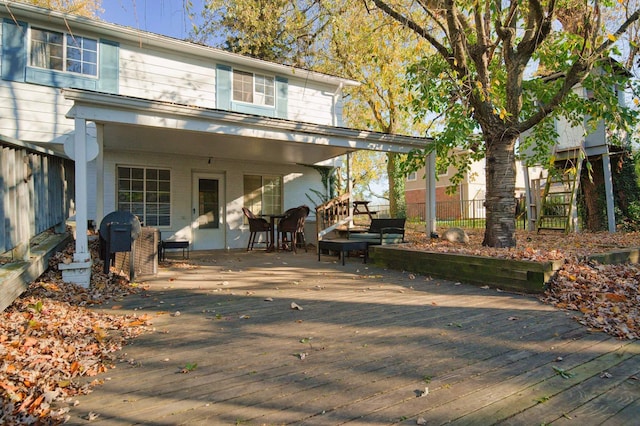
(280, 338)
(186, 146)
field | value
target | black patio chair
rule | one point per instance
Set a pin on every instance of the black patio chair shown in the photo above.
(257, 225)
(291, 228)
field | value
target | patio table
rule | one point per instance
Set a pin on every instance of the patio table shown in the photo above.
(272, 220)
(343, 246)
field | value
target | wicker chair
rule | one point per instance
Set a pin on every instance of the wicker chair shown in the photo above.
(291, 228)
(257, 225)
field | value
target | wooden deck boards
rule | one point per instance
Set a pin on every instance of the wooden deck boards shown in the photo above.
(372, 340)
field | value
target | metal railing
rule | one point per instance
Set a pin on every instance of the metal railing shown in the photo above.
(462, 213)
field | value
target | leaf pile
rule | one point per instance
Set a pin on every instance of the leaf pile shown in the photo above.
(607, 296)
(49, 340)
(531, 245)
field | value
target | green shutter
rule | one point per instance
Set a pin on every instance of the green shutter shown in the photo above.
(282, 97)
(223, 87)
(109, 67)
(14, 50)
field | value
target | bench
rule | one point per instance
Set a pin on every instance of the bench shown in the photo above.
(174, 244)
(381, 231)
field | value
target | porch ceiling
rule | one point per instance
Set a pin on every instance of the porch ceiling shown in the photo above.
(143, 125)
(217, 146)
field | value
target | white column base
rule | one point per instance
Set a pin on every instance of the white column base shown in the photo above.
(77, 273)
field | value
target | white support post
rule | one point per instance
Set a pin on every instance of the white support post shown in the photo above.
(608, 190)
(430, 199)
(80, 147)
(528, 197)
(100, 174)
(79, 271)
(350, 190)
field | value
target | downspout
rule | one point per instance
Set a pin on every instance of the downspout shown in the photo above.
(336, 96)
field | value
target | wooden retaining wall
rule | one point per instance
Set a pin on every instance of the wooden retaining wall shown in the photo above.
(517, 275)
(508, 274)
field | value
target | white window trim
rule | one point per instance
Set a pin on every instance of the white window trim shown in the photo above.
(171, 194)
(64, 49)
(253, 81)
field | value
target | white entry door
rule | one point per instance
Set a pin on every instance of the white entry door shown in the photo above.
(208, 212)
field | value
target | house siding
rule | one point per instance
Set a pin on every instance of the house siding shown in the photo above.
(312, 102)
(30, 112)
(166, 76)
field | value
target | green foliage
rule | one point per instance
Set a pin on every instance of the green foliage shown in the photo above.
(36, 307)
(88, 8)
(626, 192)
(329, 178)
(282, 31)
(504, 70)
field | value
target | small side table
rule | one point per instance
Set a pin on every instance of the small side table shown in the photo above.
(173, 244)
(343, 246)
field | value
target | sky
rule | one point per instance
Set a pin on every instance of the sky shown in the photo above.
(166, 17)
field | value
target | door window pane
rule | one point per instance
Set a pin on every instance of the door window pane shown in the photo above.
(208, 204)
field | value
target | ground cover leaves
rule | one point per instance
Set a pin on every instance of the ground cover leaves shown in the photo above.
(604, 297)
(52, 345)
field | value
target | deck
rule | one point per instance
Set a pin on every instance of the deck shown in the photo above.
(369, 347)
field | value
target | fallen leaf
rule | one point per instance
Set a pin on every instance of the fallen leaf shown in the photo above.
(92, 416)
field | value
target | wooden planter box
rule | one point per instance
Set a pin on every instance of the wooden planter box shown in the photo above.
(515, 275)
(630, 255)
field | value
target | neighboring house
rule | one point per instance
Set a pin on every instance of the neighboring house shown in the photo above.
(578, 141)
(451, 202)
(180, 134)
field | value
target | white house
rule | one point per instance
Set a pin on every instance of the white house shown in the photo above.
(182, 135)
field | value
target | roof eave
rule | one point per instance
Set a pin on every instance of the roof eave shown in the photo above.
(119, 101)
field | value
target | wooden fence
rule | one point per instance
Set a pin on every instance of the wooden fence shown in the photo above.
(37, 189)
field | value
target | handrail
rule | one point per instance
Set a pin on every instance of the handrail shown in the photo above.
(332, 214)
(325, 231)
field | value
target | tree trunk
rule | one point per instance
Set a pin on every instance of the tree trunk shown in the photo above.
(500, 199)
(393, 190)
(594, 197)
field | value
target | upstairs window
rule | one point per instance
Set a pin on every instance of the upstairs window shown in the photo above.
(63, 52)
(253, 88)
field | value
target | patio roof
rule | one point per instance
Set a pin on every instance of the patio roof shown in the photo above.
(136, 124)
